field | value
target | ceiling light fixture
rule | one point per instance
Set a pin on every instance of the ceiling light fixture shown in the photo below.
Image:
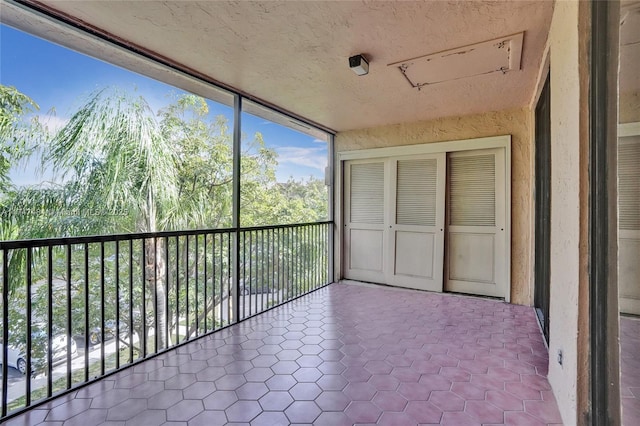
(359, 64)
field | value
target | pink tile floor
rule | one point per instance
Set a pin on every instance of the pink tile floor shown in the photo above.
(630, 369)
(343, 355)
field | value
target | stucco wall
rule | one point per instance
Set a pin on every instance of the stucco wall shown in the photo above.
(630, 107)
(516, 123)
(568, 99)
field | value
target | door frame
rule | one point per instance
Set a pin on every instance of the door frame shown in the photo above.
(503, 141)
(542, 208)
(602, 405)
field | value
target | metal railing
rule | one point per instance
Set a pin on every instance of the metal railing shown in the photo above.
(77, 309)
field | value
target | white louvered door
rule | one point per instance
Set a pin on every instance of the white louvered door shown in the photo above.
(416, 222)
(476, 223)
(405, 217)
(629, 224)
(365, 231)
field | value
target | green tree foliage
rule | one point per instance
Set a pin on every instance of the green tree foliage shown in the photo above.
(16, 134)
(203, 151)
(121, 168)
(113, 147)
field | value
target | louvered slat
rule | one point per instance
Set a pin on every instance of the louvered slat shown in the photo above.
(367, 193)
(629, 185)
(472, 198)
(416, 192)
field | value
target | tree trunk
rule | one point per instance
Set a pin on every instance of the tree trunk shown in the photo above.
(155, 273)
(209, 307)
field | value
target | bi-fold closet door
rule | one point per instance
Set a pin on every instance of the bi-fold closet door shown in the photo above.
(477, 237)
(394, 220)
(431, 221)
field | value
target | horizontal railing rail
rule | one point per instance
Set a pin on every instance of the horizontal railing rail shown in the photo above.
(45, 242)
(76, 309)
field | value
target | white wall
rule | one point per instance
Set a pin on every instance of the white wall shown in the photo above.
(566, 105)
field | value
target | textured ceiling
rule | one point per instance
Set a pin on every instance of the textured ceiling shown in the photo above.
(294, 54)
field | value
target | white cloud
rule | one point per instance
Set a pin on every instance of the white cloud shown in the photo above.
(315, 158)
(52, 122)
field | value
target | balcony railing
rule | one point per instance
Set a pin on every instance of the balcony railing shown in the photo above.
(77, 309)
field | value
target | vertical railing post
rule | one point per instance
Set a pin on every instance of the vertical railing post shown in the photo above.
(102, 335)
(131, 326)
(5, 329)
(69, 325)
(315, 260)
(247, 282)
(237, 145)
(49, 325)
(196, 277)
(244, 271)
(29, 315)
(206, 302)
(305, 261)
(260, 284)
(214, 278)
(117, 269)
(167, 338)
(331, 227)
(143, 307)
(178, 289)
(86, 311)
(156, 329)
(229, 277)
(272, 237)
(186, 287)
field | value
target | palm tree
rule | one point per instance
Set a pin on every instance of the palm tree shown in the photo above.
(113, 148)
(16, 131)
(170, 171)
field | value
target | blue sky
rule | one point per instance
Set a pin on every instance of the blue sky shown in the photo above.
(58, 79)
